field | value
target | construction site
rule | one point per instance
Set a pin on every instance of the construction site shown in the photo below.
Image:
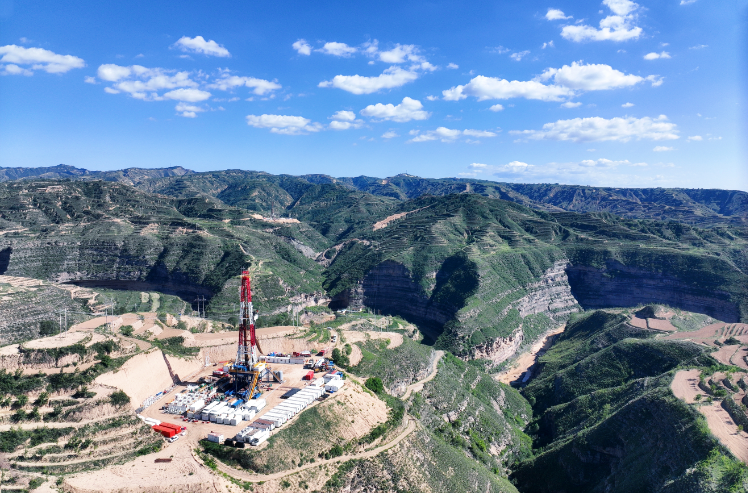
(236, 389)
(255, 393)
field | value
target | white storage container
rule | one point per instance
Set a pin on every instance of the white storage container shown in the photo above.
(334, 385)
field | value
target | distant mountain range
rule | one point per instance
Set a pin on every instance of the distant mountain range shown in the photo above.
(702, 207)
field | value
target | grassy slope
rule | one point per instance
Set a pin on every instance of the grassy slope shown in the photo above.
(609, 421)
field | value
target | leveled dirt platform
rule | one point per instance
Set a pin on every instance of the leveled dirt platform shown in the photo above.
(686, 386)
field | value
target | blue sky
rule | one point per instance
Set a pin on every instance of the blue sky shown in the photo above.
(618, 93)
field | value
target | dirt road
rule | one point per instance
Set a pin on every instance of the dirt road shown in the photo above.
(418, 386)
(411, 426)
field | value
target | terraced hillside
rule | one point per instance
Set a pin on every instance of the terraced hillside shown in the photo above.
(481, 275)
(606, 419)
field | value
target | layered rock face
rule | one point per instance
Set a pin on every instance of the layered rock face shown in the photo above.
(390, 288)
(551, 295)
(617, 285)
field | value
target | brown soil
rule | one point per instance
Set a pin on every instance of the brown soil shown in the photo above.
(638, 322)
(356, 355)
(724, 354)
(657, 324)
(685, 386)
(352, 336)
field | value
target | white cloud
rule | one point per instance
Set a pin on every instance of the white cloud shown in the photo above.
(485, 88)
(13, 69)
(89, 80)
(110, 90)
(189, 95)
(37, 59)
(260, 87)
(337, 49)
(570, 104)
(698, 47)
(655, 56)
(499, 50)
(496, 107)
(627, 105)
(662, 149)
(432, 98)
(596, 129)
(696, 138)
(590, 77)
(199, 45)
(616, 27)
(452, 66)
(447, 135)
(188, 110)
(344, 116)
(549, 44)
(343, 120)
(390, 135)
(284, 124)
(302, 47)
(399, 54)
(142, 82)
(409, 109)
(687, 2)
(358, 84)
(519, 55)
(555, 14)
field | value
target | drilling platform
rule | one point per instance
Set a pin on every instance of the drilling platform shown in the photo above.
(247, 370)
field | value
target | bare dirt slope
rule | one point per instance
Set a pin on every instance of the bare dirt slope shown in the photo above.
(527, 359)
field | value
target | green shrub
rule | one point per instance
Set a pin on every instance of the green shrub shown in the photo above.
(48, 327)
(126, 330)
(375, 385)
(119, 398)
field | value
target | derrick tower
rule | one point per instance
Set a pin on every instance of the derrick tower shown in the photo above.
(247, 367)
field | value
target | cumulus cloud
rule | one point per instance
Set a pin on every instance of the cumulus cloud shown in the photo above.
(188, 111)
(17, 60)
(617, 27)
(549, 44)
(570, 104)
(90, 80)
(597, 129)
(452, 66)
(567, 81)
(447, 135)
(284, 124)
(343, 120)
(687, 2)
(198, 44)
(337, 49)
(390, 135)
(588, 170)
(189, 95)
(260, 87)
(696, 138)
(358, 84)
(555, 14)
(399, 54)
(409, 109)
(496, 107)
(627, 105)
(302, 47)
(485, 88)
(662, 149)
(590, 77)
(142, 82)
(655, 56)
(519, 55)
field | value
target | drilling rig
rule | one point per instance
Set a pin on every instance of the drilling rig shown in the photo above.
(247, 370)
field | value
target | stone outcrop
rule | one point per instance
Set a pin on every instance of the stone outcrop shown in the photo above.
(618, 285)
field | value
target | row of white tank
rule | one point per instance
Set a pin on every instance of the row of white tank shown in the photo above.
(223, 413)
(260, 429)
